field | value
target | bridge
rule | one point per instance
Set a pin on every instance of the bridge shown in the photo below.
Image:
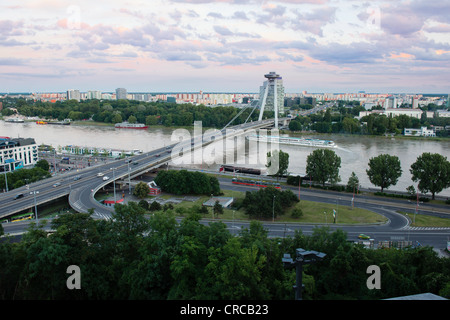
(81, 187)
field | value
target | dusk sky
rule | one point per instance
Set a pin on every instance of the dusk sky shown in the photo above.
(225, 45)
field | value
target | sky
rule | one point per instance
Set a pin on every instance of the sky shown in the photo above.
(384, 46)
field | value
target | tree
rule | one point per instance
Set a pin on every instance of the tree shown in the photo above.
(218, 209)
(155, 206)
(432, 170)
(268, 202)
(141, 190)
(117, 118)
(278, 163)
(323, 165)
(43, 164)
(132, 119)
(353, 183)
(384, 170)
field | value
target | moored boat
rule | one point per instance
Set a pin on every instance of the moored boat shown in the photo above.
(127, 125)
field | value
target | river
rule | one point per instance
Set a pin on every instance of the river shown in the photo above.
(355, 151)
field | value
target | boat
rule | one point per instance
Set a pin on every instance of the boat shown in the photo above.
(62, 123)
(127, 125)
(15, 120)
(41, 122)
(304, 142)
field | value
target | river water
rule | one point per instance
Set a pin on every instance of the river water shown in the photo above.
(355, 151)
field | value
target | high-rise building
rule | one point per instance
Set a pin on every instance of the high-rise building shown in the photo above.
(94, 94)
(121, 93)
(16, 153)
(73, 95)
(271, 96)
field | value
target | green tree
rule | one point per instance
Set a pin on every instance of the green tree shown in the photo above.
(353, 183)
(432, 170)
(132, 119)
(384, 170)
(117, 118)
(277, 163)
(218, 209)
(323, 165)
(141, 190)
(43, 164)
(155, 206)
(268, 202)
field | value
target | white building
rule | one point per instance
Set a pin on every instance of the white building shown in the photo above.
(422, 132)
(121, 93)
(415, 113)
(16, 153)
(73, 94)
(94, 94)
(443, 114)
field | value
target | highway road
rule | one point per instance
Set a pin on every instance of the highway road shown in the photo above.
(397, 227)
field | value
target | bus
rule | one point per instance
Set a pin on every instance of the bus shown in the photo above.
(22, 217)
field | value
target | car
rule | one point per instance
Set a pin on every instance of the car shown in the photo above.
(128, 161)
(100, 174)
(156, 155)
(105, 178)
(363, 236)
(76, 178)
(18, 196)
(135, 163)
(56, 184)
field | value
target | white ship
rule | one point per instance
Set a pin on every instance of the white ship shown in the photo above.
(294, 141)
(15, 120)
(127, 125)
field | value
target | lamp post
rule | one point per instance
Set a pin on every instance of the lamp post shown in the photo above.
(302, 257)
(35, 205)
(114, 183)
(129, 179)
(273, 209)
(6, 178)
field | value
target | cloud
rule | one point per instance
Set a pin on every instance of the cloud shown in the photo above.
(11, 62)
(180, 56)
(338, 54)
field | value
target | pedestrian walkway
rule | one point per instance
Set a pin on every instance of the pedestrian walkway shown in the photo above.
(425, 228)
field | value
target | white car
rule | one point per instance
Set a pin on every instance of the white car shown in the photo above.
(105, 178)
(99, 174)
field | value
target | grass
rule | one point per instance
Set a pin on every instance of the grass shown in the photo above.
(422, 220)
(313, 212)
(316, 212)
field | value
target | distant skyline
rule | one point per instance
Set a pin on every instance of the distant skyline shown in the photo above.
(225, 45)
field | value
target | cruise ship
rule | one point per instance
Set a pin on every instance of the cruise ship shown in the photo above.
(294, 141)
(15, 120)
(127, 125)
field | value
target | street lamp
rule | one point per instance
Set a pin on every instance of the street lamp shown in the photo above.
(6, 178)
(302, 257)
(273, 209)
(129, 179)
(35, 205)
(114, 183)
